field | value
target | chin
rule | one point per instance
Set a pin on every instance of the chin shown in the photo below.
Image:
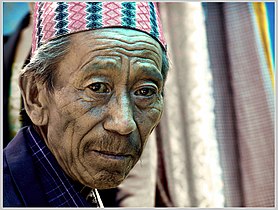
(107, 186)
(107, 180)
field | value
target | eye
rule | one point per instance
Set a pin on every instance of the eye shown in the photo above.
(145, 92)
(99, 87)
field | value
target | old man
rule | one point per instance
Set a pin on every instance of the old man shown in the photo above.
(93, 93)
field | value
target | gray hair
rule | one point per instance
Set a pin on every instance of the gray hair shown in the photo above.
(45, 61)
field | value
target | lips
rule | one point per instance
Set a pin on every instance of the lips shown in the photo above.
(112, 155)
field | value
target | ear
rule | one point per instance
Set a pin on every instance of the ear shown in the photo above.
(35, 99)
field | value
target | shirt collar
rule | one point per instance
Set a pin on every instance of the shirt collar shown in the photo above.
(61, 190)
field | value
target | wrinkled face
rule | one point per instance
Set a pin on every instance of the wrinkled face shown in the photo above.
(106, 102)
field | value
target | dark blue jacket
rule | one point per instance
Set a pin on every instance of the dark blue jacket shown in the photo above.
(21, 185)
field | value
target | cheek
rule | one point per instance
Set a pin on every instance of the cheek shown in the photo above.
(79, 119)
(148, 119)
(69, 125)
(73, 113)
(69, 122)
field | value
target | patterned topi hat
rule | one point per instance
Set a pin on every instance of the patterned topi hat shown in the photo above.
(55, 19)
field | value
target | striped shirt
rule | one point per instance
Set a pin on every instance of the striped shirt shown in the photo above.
(61, 190)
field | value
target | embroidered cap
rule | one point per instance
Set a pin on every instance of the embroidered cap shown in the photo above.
(55, 19)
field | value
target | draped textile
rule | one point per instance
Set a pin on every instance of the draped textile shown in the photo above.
(216, 137)
(262, 22)
(251, 107)
(187, 131)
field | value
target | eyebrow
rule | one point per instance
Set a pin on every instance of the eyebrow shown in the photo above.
(149, 55)
(148, 71)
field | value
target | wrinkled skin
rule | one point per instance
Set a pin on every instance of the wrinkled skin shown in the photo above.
(106, 102)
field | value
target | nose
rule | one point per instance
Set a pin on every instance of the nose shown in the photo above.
(120, 119)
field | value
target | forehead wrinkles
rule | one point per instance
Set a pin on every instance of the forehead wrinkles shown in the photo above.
(130, 40)
(129, 44)
(138, 46)
(119, 51)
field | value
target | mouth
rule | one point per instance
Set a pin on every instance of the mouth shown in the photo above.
(112, 155)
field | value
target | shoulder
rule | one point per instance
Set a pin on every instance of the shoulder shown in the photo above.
(11, 195)
(22, 186)
(18, 170)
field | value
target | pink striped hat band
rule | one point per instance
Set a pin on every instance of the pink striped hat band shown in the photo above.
(55, 19)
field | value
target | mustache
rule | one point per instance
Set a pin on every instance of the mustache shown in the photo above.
(114, 143)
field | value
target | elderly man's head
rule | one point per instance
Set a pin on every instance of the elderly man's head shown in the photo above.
(94, 97)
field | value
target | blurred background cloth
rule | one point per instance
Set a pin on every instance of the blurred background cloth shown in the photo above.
(217, 133)
(215, 144)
